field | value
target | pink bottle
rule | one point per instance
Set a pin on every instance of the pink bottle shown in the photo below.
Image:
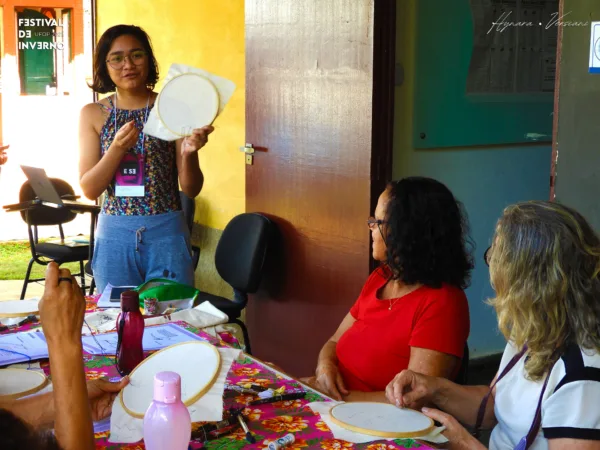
(167, 423)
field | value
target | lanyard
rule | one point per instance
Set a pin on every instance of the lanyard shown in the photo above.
(145, 120)
(537, 420)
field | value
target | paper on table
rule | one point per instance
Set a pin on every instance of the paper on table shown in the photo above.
(202, 316)
(23, 346)
(127, 429)
(155, 338)
(343, 434)
(154, 126)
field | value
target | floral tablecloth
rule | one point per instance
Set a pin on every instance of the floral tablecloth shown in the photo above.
(267, 422)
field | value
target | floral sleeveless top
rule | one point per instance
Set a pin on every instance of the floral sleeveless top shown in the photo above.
(161, 186)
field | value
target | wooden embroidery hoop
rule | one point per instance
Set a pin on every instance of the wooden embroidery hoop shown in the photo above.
(161, 353)
(204, 89)
(384, 410)
(19, 308)
(36, 382)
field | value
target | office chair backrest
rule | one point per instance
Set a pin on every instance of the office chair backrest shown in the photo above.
(241, 251)
(188, 205)
(47, 215)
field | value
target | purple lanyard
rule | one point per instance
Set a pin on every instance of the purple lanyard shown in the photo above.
(526, 442)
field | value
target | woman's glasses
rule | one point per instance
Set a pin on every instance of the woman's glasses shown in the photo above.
(137, 57)
(486, 256)
(373, 222)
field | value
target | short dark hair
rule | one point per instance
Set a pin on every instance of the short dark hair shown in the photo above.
(102, 82)
(17, 435)
(427, 234)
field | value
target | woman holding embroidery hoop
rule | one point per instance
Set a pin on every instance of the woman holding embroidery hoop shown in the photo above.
(412, 311)
(141, 231)
(544, 266)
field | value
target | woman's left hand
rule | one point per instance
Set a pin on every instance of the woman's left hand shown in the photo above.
(102, 394)
(197, 140)
(459, 437)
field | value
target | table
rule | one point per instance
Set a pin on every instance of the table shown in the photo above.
(267, 422)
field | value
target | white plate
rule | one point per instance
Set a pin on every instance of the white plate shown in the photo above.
(381, 419)
(197, 363)
(187, 101)
(17, 383)
(19, 308)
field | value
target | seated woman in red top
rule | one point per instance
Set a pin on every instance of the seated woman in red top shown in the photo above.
(412, 311)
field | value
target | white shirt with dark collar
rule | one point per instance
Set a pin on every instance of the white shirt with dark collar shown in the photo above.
(570, 407)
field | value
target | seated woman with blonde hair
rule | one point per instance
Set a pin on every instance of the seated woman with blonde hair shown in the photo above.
(412, 311)
(544, 266)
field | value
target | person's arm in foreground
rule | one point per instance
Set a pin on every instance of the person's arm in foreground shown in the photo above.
(422, 360)
(61, 311)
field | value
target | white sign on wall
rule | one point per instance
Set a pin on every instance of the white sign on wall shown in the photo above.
(595, 48)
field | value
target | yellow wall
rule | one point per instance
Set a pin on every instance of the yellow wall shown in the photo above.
(208, 34)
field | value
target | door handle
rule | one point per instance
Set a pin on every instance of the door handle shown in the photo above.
(248, 149)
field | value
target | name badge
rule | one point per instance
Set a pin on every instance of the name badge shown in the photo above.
(129, 179)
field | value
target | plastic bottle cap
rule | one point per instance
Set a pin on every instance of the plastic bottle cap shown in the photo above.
(130, 301)
(167, 387)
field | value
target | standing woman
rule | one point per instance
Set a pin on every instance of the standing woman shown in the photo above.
(141, 231)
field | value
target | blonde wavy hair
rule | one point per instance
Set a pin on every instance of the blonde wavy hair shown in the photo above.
(544, 267)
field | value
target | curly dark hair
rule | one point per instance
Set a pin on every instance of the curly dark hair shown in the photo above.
(17, 435)
(102, 82)
(427, 234)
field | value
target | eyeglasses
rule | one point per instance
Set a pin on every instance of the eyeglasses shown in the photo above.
(373, 222)
(136, 57)
(486, 256)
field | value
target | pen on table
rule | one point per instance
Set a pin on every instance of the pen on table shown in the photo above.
(249, 436)
(278, 398)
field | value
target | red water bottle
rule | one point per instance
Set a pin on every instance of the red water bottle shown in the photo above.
(130, 332)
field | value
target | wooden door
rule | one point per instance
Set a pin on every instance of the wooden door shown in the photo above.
(322, 156)
(36, 54)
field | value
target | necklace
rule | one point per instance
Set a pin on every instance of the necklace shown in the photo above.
(392, 303)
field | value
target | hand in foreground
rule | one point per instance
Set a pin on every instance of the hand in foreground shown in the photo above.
(126, 137)
(197, 140)
(459, 438)
(102, 394)
(3, 156)
(62, 306)
(330, 382)
(410, 389)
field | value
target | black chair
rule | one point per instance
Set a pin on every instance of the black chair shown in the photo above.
(44, 253)
(188, 205)
(239, 260)
(463, 374)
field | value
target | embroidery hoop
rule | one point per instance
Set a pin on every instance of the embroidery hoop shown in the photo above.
(187, 101)
(19, 308)
(19, 383)
(381, 419)
(184, 358)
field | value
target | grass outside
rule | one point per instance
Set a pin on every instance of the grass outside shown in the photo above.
(14, 258)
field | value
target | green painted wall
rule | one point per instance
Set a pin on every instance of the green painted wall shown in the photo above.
(484, 179)
(578, 162)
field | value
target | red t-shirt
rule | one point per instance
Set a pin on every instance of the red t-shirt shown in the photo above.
(377, 346)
